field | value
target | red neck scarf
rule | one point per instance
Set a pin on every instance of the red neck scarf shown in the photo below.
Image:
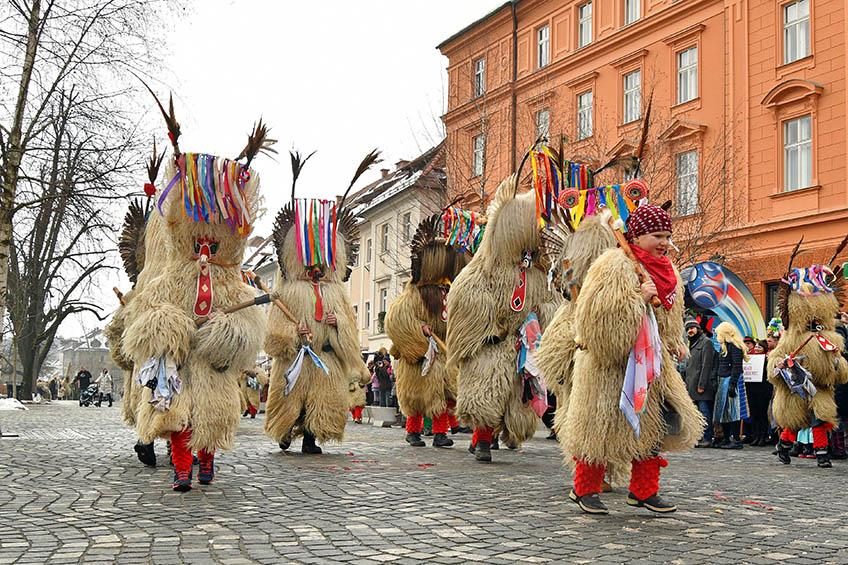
(661, 272)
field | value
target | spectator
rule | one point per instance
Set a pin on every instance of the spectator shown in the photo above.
(759, 396)
(105, 383)
(382, 365)
(729, 377)
(700, 376)
(837, 436)
(82, 380)
(54, 387)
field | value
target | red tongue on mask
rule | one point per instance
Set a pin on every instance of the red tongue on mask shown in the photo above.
(203, 299)
(319, 302)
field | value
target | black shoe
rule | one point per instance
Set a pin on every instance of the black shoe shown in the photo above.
(442, 440)
(461, 430)
(246, 412)
(309, 447)
(703, 443)
(145, 453)
(207, 471)
(748, 439)
(796, 449)
(483, 452)
(783, 452)
(823, 459)
(495, 444)
(653, 503)
(552, 435)
(414, 439)
(182, 482)
(589, 503)
(285, 444)
(194, 460)
(732, 444)
(471, 448)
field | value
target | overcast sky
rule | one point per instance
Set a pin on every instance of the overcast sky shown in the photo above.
(339, 77)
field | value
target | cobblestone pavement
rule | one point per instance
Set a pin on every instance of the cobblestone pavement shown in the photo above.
(72, 491)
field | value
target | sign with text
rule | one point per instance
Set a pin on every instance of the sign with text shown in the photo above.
(753, 369)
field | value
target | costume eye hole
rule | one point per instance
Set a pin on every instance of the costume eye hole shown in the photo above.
(214, 248)
(197, 247)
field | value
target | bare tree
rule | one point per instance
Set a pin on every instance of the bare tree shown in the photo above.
(46, 46)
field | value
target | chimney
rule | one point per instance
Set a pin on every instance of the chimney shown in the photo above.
(402, 163)
(385, 172)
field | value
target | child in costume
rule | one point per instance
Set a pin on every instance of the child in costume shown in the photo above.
(416, 322)
(498, 306)
(807, 363)
(316, 349)
(251, 383)
(627, 401)
(188, 349)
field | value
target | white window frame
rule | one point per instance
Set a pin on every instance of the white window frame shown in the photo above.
(543, 122)
(367, 320)
(632, 11)
(632, 96)
(798, 149)
(478, 156)
(585, 105)
(584, 24)
(369, 248)
(686, 180)
(479, 77)
(384, 238)
(796, 31)
(383, 293)
(687, 74)
(543, 46)
(406, 226)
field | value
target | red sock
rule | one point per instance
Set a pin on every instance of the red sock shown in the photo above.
(440, 423)
(820, 435)
(180, 452)
(415, 424)
(588, 478)
(645, 477)
(251, 409)
(203, 456)
(481, 434)
(357, 412)
(788, 436)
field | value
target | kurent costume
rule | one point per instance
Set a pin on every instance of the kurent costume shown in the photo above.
(807, 364)
(251, 383)
(627, 401)
(315, 352)
(183, 330)
(356, 394)
(497, 308)
(416, 322)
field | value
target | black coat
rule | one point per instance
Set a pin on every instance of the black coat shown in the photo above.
(730, 365)
(701, 369)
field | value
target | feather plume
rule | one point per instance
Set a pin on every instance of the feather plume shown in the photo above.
(170, 118)
(370, 160)
(282, 225)
(793, 255)
(153, 164)
(257, 142)
(131, 241)
(539, 140)
(297, 163)
(646, 124)
(425, 236)
(839, 250)
(349, 230)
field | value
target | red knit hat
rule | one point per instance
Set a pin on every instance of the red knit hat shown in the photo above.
(647, 219)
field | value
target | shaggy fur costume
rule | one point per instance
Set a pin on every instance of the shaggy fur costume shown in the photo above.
(250, 396)
(160, 321)
(318, 402)
(482, 328)
(356, 387)
(606, 321)
(828, 369)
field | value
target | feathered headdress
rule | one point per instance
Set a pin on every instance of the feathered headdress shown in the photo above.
(811, 281)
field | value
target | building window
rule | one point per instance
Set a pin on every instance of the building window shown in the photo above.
(584, 25)
(632, 96)
(772, 300)
(368, 251)
(356, 312)
(584, 115)
(687, 75)
(479, 156)
(632, 11)
(384, 299)
(798, 153)
(479, 77)
(687, 183)
(543, 42)
(384, 238)
(367, 325)
(355, 260)
(796, 30)
(543, 123)
(406, 226)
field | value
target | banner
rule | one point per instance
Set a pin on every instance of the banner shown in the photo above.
(753, 369)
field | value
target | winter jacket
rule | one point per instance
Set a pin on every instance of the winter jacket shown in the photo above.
(105, 382)
(730, 365)
(701, 369)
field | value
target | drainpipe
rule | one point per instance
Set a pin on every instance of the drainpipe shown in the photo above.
(513, 103)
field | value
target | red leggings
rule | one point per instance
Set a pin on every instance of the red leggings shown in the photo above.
(644, 477)
(356, 412)
(819, 435)
(415, 424)
(181, 453)
(482, 434)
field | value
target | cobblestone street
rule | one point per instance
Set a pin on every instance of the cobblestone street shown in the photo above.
(71, 490)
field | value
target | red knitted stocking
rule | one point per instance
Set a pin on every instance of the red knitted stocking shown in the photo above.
(180, 452)
(820, 435)
(789, 436)
(440, 423)
(645, 477)
(415, 424)
(588, 478)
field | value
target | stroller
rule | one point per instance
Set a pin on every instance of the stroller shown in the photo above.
(88, 395)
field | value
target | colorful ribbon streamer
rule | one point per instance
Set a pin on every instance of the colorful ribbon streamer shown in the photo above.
(315, 231)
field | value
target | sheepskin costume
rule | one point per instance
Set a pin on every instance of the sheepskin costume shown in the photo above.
(593, 430)
(809, 302)
(313, 288)
(356, 392)
(251, 383)
(208, 209)
(423, 303)
(483, 322)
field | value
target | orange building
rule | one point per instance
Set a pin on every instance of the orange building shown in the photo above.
(748, 122)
